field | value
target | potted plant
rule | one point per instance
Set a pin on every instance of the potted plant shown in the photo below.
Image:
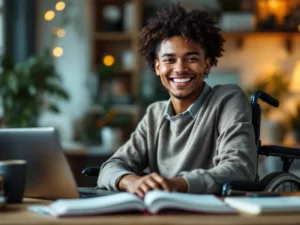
(275, 85)
(29, 87)
(103, 125)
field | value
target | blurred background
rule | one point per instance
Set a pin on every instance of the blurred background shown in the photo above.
(74, 65)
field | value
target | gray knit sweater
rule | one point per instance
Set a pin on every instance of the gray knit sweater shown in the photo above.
(208, 150)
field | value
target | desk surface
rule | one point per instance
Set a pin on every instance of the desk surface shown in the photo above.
(17, 214)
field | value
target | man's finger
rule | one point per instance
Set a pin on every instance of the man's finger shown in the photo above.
(153, 184)
(162, 181)
(144, 187)
(140, 193)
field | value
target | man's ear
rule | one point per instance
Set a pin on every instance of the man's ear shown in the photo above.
(156, 66)
(207, 65)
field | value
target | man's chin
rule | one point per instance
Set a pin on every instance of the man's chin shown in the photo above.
(181, 96)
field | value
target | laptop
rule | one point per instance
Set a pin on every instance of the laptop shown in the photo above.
(48, 174)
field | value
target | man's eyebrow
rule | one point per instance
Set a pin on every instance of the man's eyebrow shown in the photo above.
(186, 54)
(192, 53)
(168, 55)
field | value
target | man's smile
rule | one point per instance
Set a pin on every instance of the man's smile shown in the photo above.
(181, 81)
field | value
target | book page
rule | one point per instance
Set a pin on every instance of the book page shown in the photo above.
(121, 202)
(158, 200)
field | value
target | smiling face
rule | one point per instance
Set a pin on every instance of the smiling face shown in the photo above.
(182, 65)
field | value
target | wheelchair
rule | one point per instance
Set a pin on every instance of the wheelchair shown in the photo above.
(278, 181)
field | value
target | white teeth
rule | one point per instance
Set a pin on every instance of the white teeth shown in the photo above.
(181, 80)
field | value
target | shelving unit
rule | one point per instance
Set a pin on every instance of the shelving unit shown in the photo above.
(116, 42)
(110, 36)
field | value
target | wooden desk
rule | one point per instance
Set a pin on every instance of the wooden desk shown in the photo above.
(17, 214)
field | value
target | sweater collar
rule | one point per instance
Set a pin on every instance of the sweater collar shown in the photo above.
(193, 109)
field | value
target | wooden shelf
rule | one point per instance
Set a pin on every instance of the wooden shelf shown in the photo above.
(261, 34)
(119, 71)
(112, 36)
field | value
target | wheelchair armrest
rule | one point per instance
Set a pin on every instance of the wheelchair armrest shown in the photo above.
(241, 187)
(91, 171)
(274, 150)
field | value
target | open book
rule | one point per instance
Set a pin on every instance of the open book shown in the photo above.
(258, 205)
(154, 202)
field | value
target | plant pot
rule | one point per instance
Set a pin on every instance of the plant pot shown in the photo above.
(111, 138)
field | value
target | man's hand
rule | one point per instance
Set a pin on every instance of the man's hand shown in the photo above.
(141, 185)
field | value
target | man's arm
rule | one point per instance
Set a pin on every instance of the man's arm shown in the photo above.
(236, 157)
(131, 158)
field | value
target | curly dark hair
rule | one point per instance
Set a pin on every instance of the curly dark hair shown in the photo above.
(197, 25)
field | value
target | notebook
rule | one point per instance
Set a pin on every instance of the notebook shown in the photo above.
(48, 174)
(258, 205)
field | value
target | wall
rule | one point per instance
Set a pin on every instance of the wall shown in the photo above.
(73, 65)
(259, 55)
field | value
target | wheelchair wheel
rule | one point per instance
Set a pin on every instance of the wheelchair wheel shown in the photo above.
(281, 182)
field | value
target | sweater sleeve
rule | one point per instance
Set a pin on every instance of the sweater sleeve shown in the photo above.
(236, 156)
(131, 158)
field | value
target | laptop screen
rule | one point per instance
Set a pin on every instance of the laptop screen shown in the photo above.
(48, 174)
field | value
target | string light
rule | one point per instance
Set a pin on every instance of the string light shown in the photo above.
(49, 15)
(60, 6)
(60, 33)
(108, 60)
(57, 31)
(58, 51)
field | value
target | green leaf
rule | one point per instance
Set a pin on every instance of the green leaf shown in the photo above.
(53, 108)
(26, 85)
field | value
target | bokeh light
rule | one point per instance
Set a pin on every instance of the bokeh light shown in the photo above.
(60, 6)
(58, 51)
(60, 33)
(49, 15)
(108, 60)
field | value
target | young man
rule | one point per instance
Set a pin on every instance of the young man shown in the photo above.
(199, 139)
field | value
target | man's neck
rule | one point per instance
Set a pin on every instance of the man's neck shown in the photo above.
(181, 105)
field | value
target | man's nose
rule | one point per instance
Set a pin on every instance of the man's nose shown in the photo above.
(180, 67)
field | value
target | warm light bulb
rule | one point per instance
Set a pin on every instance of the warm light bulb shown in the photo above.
(273, 4)
(60, 6)
(58, 51)
(108, 60)
(49, 15)
(295, 79)
(60, 33)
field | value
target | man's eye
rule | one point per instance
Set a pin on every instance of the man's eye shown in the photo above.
(169, 60)
(192, 59)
